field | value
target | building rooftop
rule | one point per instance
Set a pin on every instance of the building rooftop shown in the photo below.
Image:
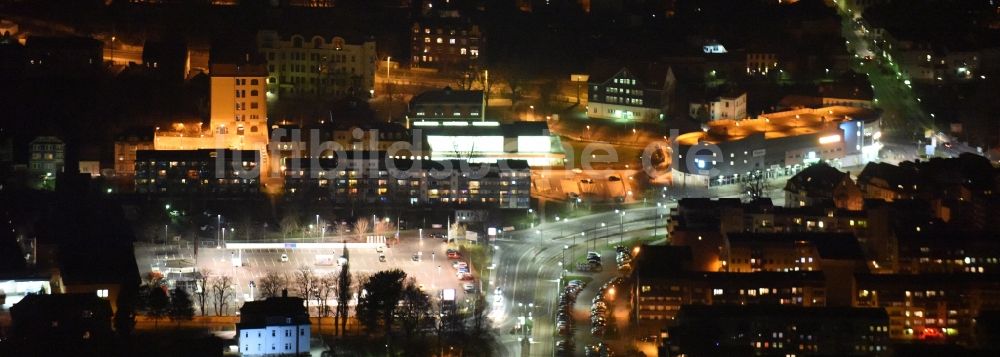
(816, 180)
(448, 95)
(238, 70)
(275, 311)
(777, 125)
(836, 246)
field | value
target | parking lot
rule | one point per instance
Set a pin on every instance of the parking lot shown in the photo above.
(423, 259)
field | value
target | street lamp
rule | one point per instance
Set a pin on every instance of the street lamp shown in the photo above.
(563, 259)
(218, 232)
(621, 228)
(539, 232)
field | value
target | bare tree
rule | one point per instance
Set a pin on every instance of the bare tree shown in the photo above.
(222, 292)
(341, 229)
(361, 227)
(755, 186)
(271, 284)
(201, 295)
(289, 224)
(305, 284)
(326, 286)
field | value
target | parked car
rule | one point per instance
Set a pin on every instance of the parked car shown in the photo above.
(284, 258)
(469, 287)
(381, 258)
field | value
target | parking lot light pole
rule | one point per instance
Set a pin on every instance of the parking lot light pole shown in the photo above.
(218, 232)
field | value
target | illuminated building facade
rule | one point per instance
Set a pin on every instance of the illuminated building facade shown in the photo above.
(126, 145)
(636, 93)
(317, 66)
(47, 158)
(195, 172)
(726, 106)
(775, 143)
(366, 177)
(929, 307)
(238, 114)
(490, 141)
(448, 43)
(778, 330)
(277, 326)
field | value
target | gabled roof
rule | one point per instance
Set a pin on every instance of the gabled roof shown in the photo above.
(817, 180)
(647, 74)
(275, 311)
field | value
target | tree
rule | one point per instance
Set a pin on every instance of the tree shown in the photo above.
(181, 306)
(159, 304)
(222, 291)
(380, 297)
(415, 309)
(305, 284)
(361, 227)
(289, 224)
(326, 285)
(755, 186)
(271, 285)
(203, 290)
(344, 292)
(457, 231)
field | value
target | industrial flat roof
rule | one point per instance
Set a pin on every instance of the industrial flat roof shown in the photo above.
(777, 125)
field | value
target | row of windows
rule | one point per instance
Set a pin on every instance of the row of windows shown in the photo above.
(440, 31)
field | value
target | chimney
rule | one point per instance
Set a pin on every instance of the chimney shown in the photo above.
(284, 293)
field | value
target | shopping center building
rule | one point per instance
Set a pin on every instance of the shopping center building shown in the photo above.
(775, 144)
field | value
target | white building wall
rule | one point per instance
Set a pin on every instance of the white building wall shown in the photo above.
(274, 340)
(623, 112)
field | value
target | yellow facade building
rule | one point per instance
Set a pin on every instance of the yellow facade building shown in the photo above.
(238, 118)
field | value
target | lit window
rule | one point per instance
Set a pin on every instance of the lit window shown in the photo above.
(102, 293)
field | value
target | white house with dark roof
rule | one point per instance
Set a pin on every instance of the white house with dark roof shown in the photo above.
(278, 326)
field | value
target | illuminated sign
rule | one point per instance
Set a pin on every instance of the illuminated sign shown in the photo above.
(448, 295)
(829, 139)
(535, 144)
(462, 145)
(714, 48)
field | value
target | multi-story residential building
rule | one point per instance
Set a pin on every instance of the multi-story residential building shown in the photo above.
(664, 281)
(126, 145)
(303, 65)
(705, 225)
(197, 172)
(725, 106)
(837, 255)
(923, 251)
(821, 184)
(367, 177)
(447, 105)
(278, 326)
(761, 62)
(778, 330)
(634, 93)
(46, 160)
(447, 42)
(929, 307)
(238, 115)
